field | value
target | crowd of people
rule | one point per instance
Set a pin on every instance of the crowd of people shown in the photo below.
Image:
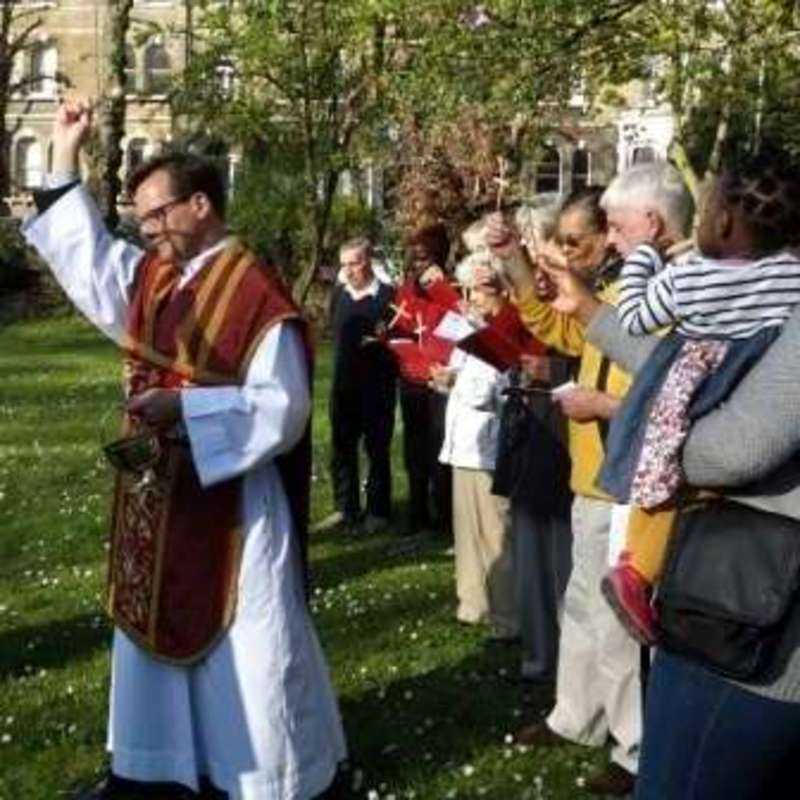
(597, 415)
(582, 388)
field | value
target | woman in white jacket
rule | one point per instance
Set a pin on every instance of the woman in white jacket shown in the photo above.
(484, 567)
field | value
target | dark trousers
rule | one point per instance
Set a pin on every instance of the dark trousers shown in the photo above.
(367, 415)
(707, 739)
(542, 565)
(429, 482)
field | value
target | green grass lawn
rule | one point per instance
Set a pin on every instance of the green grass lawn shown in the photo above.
(428, 709)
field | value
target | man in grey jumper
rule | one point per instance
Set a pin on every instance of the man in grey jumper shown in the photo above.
(706, 736)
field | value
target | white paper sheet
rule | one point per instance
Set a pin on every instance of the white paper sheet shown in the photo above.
(455, 327)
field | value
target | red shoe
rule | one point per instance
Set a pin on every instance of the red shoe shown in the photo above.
(628, 594)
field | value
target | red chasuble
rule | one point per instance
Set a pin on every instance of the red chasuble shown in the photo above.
(176, 546)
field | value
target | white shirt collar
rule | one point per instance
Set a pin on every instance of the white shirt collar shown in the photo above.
(194, 265)
(370, 290)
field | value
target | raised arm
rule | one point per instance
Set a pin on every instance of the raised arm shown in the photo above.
(542, 319)
(646, 298)
(95, 269)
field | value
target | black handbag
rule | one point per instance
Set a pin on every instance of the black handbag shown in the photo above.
(731, 578)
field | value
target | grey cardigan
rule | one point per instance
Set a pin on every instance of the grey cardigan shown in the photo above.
(750, 444)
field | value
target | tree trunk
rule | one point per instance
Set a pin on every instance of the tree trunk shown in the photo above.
(680, 158)
(112, 126)
(5, 177)
(322, 216)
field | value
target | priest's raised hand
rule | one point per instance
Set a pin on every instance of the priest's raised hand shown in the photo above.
(71, 128)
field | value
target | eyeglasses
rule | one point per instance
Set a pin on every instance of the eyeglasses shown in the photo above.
(573, 240)
(159, 213)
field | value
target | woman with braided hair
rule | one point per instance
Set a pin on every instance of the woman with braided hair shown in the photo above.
(727, 301)
(706, 735)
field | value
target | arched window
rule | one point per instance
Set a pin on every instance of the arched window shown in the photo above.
(156, 69)
(131, 84)
(581, 169)
(44, 66)
(28, 161)
(135, 154)
(643, 155)
(548, 170)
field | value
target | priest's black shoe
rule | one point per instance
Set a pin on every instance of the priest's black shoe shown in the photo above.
(115, 788)
(612, 781)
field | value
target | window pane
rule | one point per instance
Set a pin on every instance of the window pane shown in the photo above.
(580, 169)
(136, 154)
(130, 69)
(157, 69)
(548, 171)
(28, 164)
(44, 65)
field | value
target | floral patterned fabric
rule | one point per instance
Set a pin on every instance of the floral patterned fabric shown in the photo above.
(658, 474)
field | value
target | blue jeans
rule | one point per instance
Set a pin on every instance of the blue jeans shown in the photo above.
(706, 738)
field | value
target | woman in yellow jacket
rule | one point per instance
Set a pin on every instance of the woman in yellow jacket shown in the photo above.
(597, 687)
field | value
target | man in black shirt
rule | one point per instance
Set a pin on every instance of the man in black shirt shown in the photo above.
(362, 391)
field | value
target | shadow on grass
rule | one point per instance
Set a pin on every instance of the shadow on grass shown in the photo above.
(420, 728)
(364, 554)
(52, 645)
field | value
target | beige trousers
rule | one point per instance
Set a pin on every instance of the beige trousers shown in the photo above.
(483, 549)
(597, 690)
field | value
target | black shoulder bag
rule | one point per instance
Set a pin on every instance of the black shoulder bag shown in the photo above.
(731, 578)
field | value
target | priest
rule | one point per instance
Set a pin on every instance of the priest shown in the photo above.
(218, 681)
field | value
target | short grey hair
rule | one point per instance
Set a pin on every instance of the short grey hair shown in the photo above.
(537, 223)
(536, 220)
(657, 187)
(356, 243)
(480, 258)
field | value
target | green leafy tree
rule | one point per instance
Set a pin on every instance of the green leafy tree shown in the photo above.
(480, 89)
(301, 82)
(726, 70)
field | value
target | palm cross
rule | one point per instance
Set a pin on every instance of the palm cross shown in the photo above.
(502, 182)
(400, 312)
(420, 329)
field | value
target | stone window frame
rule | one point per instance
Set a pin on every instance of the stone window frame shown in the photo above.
(21, 171)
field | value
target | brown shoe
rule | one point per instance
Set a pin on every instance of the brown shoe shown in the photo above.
(539, 735)
(612, 780)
